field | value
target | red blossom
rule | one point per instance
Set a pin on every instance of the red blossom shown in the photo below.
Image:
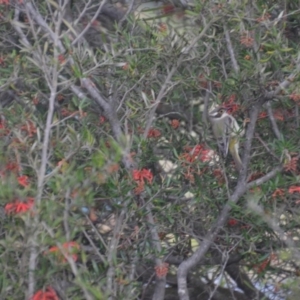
(262, 266)
(13, 167)
(295, 97)
(278, 193)
(168, 9)
(197, 152)
(162, 270)
(3, 129)
(162, 27)
(203, 81)
(17, 206)
(175, 123)
(278, 114)
(68, 249)
(262, 115)
(153, 133)
(230, 105)
(2, 61)
(47, 294)
(140, 188)
(291, 165)
(294, 189)
(102, 119)
(189, 176)
(23, 180)
(247, 40)
(232, 222)
(141, 175)
(61, 59)
(218, 174)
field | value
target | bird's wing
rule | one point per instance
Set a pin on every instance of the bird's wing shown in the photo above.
(223, 140)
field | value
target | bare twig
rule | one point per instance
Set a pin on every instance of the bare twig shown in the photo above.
(113, 252)
(234, 63)
(266, 146)
(160, 285)
(79, 36)
(273, 121)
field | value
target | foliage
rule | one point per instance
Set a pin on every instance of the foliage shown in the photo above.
(110, 175)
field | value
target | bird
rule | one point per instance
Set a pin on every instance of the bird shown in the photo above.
(227, 133)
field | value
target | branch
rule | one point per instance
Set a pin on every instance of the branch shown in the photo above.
(160, 284)
(240, 189)
(79, 36)
(231, 51)
(273, 122)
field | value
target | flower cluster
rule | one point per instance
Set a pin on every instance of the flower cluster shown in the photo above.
(140, 176)
(18, 207)
(162, 270)
(47, 294)
(246, 40)
(191, 155)
(69, 249)
(230, 105)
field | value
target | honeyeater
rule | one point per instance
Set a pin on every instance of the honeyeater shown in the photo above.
(227, 133)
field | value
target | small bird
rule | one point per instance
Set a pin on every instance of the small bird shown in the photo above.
(227, 133)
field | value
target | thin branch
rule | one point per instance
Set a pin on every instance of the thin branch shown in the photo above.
(160, 281)
(235, 65)
(265, 178)
(273, 121)
(112, 253)
(79, 36)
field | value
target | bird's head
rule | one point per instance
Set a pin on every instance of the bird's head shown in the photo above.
(218, 113)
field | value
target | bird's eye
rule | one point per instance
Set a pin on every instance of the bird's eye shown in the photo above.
(221, 110)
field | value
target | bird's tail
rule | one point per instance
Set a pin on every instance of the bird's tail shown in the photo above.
(234, 151)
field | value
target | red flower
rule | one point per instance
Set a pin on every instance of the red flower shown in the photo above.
(291, 165)
(23, 180)
(140, 188)
(232, 222)
(294, 189)
(230, 105)
(175, 123)
(278, 193)
(17, 207)
(218, 174)
(199, 152)
(168, 9)
(139, 176)
(12, 166)
(295, 97)
(47, 294)
(68, 249)
(162, 270)
(202, 81)
(153, 133)
(262, 115)
(61, 58)
(279, 115)
(102, 119)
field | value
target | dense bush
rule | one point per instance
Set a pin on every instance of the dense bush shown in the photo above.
(111, 182)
